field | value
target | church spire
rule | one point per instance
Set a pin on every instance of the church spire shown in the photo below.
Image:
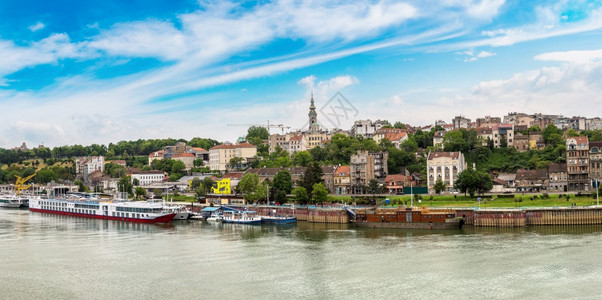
(313, 115)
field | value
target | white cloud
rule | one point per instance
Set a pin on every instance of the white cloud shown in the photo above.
(142, 39)
(577, 56)
(46, 51)
(478, 9)
(548, 24)
(470, 55)
(37, 26)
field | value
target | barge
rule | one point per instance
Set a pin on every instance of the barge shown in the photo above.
(407, 218)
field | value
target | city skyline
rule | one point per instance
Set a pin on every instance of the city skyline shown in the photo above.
(83, 73)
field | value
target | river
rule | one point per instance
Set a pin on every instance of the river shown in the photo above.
(46, 256)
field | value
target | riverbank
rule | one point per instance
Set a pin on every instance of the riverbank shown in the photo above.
(488, 201)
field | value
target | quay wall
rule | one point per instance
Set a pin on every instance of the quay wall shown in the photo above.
(534, 216)
(500, 218)
(564, 216)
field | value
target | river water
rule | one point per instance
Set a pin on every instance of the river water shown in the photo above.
(46, 256)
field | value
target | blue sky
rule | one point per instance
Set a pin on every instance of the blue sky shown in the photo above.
(82, 72)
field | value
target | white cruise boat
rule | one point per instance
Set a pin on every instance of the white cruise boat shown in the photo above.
(13, 201)
(132, 211)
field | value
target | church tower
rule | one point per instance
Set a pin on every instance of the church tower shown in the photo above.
(313, 115)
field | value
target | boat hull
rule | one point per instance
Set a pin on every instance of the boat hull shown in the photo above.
(182, 216)
(268, 220)
(246, 222)
(10, 205)
(160, 219)
(454, 224)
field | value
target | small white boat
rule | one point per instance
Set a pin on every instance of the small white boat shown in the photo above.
(182, 213)
(245, 217)
(214, 218)
(197, 217)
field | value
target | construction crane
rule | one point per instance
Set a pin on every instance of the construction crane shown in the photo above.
(268, 126)
(20, 183)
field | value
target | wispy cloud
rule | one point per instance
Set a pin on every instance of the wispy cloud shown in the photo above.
(222, 43)
(576, 56)
(37, 26)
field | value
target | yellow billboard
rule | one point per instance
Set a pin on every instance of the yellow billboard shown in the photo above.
(223, 187)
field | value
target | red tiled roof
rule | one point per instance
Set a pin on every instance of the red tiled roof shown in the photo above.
(198, 149)
(483, 130)
(296, 138)
(395, 177)
(531, 174)
(580, 139)
(242, 145)
(234, 175)
(342, 170)
(395, 136)
(156, 153)
(439, 134)
(184, 155)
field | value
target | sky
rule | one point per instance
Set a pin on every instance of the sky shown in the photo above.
(84, 72)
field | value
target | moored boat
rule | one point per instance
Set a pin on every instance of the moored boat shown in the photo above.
(140, 212)
(408, 218)
(275, 219)
(13, 201)
(245, 217)
(182, 213)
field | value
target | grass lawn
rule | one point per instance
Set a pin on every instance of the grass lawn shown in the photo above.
(486, 202)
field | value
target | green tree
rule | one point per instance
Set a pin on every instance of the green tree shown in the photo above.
(399, 125)
(236, 163)
(81, 186)
(125, 184)
(140, 192)
(312, 175)
(157, 193)
(198, 162)
(470, 181)
(257, 132)
(572, 133)
(283, 181)
(195, 183)
(251, 188)
(301, 158)
(439, 186)
(177, 166)
(319, 193)
(44, 176)
(301, 196)
(373, 187)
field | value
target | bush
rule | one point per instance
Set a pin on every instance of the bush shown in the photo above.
(545, 195)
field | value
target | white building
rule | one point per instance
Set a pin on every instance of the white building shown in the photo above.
(366, 128)
(445, 166)
(148, 177)
(220, 155)
(87, 165)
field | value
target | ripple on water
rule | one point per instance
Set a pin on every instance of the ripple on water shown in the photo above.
(102, 259)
